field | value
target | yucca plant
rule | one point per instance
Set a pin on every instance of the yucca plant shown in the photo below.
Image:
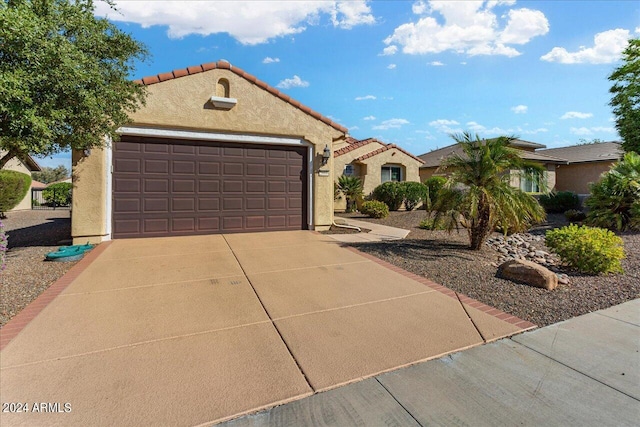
(351, 187)
(478, 195)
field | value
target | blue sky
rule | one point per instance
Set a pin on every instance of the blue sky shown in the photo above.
(408, 72)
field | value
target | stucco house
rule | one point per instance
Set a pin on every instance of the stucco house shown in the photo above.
(27, 166)
(526, 149)
(214, 150)
(374, 162)
(586, 162)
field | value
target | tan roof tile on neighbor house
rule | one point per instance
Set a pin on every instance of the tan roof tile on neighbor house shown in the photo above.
(600, 151)
(182, 72)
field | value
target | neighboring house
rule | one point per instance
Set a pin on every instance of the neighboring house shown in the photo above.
(586, 163)
(214, 150)
(26, 167)
(527, 151)
(374, 162)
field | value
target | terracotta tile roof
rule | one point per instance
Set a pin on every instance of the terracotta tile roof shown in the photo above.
(350, 140)
(601, 151)
(358, 144)
(227, 66)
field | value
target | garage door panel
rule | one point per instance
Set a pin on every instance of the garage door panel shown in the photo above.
(164, 187)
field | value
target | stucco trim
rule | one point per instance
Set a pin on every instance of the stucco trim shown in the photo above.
(219, 137)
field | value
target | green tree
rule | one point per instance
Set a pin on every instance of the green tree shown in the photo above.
(351, 187)
(47, 174)
(478, 195)
(13, 187)
(626, 97)
(64, 77)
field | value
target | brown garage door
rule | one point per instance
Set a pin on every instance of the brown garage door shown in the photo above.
(165, 187)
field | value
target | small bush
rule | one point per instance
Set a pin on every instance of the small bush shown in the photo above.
(13, 187)
(390, 193)
(587, 249)
(414, 193)
(375, 209)
(575, 215)
(559, 202)
(4, 245)
(433, 224)
(58, 194)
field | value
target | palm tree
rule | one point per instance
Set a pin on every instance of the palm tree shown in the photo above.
(478, 195)
(351, 187)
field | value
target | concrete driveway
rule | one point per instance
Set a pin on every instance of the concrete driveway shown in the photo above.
(195, 330)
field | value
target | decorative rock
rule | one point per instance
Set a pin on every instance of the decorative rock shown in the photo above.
(529, 273)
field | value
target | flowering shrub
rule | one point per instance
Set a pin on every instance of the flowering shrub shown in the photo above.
(4, 244)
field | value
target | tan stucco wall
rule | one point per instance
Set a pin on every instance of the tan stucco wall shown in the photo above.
(16, 165)
(370, 170)
(182, 104)
(578, 176)
(426, 173)
(89, 202)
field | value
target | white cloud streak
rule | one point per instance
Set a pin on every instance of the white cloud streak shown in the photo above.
(295, 81)
(269, 60)
(520, 109)
(575, 115)
(607, 48)
(365, 98)
(391, 124)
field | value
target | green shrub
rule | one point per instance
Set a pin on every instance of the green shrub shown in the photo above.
(13, 187)
(434, 185)
(614, 199)
(433, 224)
(58, 194)
(575, 215)
(559, 202)
(414, 193)
(375, 209)
(588, 249)
(390, 193)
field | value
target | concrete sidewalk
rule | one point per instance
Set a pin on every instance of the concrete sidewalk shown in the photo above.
(581, 372)
(194, 330)
(378, 232)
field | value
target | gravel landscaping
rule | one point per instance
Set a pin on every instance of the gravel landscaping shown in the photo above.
(445, 259)
(32, 234)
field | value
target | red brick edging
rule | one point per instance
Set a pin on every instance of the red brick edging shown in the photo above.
(492, 311)
(10, 330)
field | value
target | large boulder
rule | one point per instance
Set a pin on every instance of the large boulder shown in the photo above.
(529, 273)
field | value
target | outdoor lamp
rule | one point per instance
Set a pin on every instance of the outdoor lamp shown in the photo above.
(326, 153)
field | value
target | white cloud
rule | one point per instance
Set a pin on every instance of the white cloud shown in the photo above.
(575, 115)
(269, 60)
(607, 48)
(369, 118)
(603, 129)
(391, 66)
(520, 109)
(585, 131)
(532, 131)
(478, 128)
(365, 98)
(389, 50)
(470, 27)
(445, 126)
(391, 124)
(436, 63)
(354, 127)
(249, 22)
(580, 131)
(295, 81)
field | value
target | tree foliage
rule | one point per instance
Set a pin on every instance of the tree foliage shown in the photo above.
(58, 194)
(13, 187)
(64, 77)
(626, 97)
(47, 174)
(478, 195)
(351, 187)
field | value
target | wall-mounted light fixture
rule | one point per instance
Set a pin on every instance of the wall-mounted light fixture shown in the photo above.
(326, 154)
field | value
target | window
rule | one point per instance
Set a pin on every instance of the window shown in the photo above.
(391, 173)
(348, 170)
(530, 182)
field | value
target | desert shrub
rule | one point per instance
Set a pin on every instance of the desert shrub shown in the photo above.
(58, 194)
(590, 250)
(559, 202)
(434, 185)
(390, 193)
(414, 193)
(575, 215)
(432, 224)
(4, 245)
(13, 187)
(615, 197)
(375, 209)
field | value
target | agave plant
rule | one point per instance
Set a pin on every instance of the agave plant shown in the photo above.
(351, 187)
(478, 195)
(615, 199)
